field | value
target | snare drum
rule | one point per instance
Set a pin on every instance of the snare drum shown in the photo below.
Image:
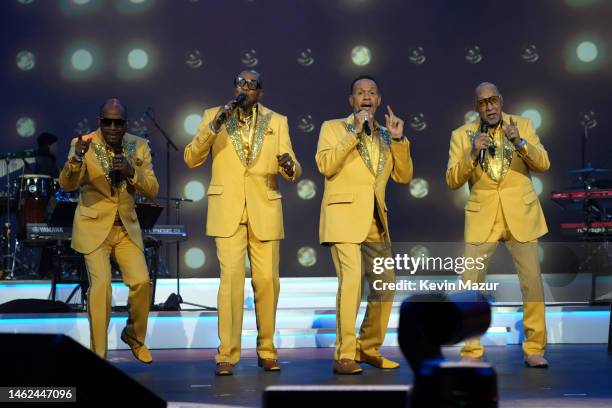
(35, 191)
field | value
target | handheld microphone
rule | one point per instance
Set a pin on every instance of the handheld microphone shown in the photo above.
(366, 127)
(236, 102)
(484, 128)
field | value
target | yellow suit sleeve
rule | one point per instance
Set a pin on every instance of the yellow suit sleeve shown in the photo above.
(333, 149)
(402, 161)
(460, 162)
(197, 152)
(144, 179)
(73, 171)
(533, 152)
(285, 147)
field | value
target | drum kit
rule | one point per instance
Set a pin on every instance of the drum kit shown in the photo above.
(26, 198)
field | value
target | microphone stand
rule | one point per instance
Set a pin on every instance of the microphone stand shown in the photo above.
(169, 143)
(177, 206)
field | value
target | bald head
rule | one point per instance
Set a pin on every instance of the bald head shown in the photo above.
(486, 86)
(113, 121)
(113, 108)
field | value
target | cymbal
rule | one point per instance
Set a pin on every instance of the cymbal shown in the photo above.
(587, 170)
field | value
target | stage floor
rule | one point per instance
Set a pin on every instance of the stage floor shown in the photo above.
(579, 375)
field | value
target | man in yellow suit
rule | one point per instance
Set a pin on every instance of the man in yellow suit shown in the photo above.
(249, 145)
(109, 166)
(496, 155)
(357, 155)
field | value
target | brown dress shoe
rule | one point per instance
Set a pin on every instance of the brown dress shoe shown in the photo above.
(378, 361)
(535, 361)
(139, 350)
(224, 368)
(268, 364)
(347, 366)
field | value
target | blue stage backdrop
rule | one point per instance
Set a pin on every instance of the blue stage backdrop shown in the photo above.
(550, 58)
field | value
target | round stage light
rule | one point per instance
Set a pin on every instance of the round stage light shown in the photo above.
(80, 2)
(195, 258)
(138, 58)
(25, 2)
(587, 51)
(533, 115)
(538, 186)
(306, 189)
(470, 116)
(307, 256)
(417, 122)
(194, 190)
(137, 1)
(25, 60)
(361, 55)
(26, 127)
(81, 59)
(529, 53)
(419, 188)
(191, 123)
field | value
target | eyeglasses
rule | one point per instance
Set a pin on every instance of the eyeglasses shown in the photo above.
(493, 100)
(108, 122)
(251, 84)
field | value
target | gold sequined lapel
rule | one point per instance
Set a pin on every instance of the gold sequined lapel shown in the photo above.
(508, 151)
(234, 134)
(258, 137)
(385, 142)
(105, 158)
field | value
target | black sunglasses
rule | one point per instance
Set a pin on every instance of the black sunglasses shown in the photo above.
(251, 84)
(108, 122)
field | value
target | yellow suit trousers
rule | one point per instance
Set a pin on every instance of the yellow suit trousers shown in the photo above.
(133, 267)
(351, 261)
(264, 257)
(527, 264)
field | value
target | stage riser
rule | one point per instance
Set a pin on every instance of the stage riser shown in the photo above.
(315, 293)
(299, 328)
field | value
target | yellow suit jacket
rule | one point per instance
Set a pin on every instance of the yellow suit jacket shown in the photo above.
(95, 213)
(515, 192)
(352, 182)
(238, 180)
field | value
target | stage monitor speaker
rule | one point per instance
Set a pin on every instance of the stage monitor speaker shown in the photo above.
(336, 395)
(56, 360)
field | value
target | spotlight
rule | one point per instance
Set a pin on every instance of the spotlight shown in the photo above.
(81, 60)
(428, 321)
(195, 258)
(191, 123)
(587, 51)
(26, 127)
(307, 256)
(419, 188)
(361, 55)
(306, 189)
(194, 190)
(533, 115)
(25, 60)
(138, 58)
